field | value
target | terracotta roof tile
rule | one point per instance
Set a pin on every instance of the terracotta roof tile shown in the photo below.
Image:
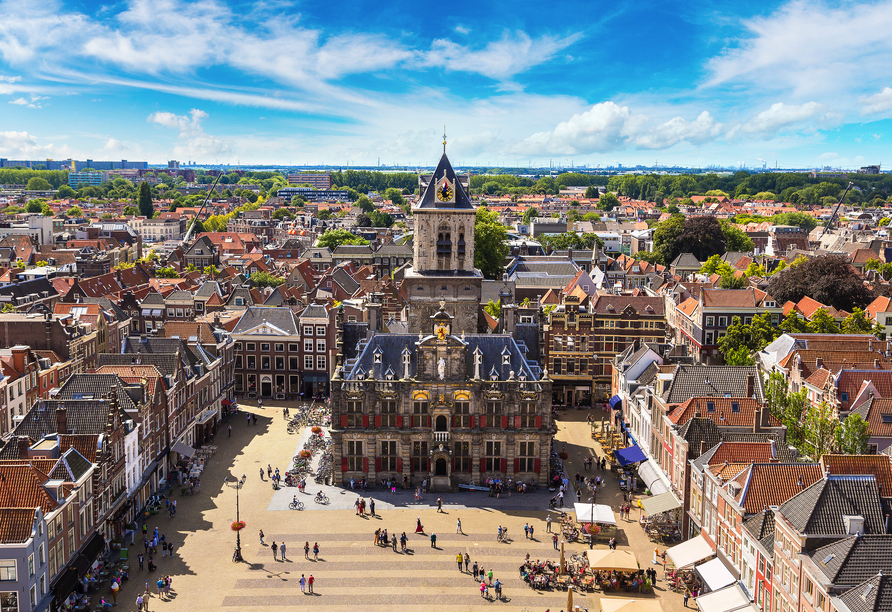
(21, 486)
(878, 465)
(723, 411)
(16, 525)
(771, 484)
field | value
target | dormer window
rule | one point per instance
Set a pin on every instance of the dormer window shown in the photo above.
(710, 406)
(377, 355)
(735, 406)
(506, 359)
(844, 396)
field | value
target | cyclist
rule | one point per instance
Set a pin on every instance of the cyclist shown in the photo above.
(501, 533)
(294, 501)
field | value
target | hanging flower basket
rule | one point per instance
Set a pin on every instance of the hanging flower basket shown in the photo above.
(564, 456)
(591, 528)
(238, 525)
(317, 430)
(305, 454)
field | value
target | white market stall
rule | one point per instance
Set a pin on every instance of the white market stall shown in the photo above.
(690, 552)
(715, 575)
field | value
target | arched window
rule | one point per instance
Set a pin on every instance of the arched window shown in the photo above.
(444, 247)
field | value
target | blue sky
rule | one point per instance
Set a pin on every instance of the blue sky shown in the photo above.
(352, 82)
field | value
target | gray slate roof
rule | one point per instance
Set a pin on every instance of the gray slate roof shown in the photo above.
(70, 467)
(83, 417)
(819, 509)
(92, 386)
(314, 311)
(429, 198)
(282, 318)
(873, 595)
(761, 527)
(165, 362)
(717, 381)
(854, 559)
(686, 260)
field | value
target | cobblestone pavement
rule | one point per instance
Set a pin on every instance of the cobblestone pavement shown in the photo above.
(351, 571)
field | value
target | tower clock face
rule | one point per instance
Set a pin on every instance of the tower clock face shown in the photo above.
(444, 194)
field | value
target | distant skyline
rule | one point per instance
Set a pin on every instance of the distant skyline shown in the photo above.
(515, 83)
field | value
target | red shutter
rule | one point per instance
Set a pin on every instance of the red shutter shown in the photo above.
(365, 421)
(365, 464)
(344, 467)
(537, 466)
(344, 420)
(399, 464)
(428, 420)
(504, 422)
(517, 422)
(454, 421)
(504, 466)
(453, 464)
(482, 420)
(516, 466)
(538, 422)
(377, 421)
(399, 421)
(377, 464)
(482, 465)
(472, 422)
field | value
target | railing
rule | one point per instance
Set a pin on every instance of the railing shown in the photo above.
(441, 436)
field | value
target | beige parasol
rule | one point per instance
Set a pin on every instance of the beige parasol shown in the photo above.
(619, 560)
(617, 604)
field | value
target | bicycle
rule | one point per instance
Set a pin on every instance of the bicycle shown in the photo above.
(503, 537)
(296, 505)
(321, 498)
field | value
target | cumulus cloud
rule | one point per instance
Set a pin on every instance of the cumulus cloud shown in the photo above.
(609, 127)
(114, 145)
(877, 103)
(24, 145)
(781, 116)
(9, 79)
(32, 103)
(193, 141)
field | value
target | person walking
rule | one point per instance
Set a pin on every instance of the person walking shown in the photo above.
(483, 590)
(139, 602)
(275, 551)
(170, 550)
(261, 475)
(140, 559)
(372, 506)
(310, 582)
(474, 569)
(303, 584)
(307, 550)
(498, 589)
(531, 532)
(687, 595)
(548, 524)
(315, 551)
(467, 560)
(554, 539)
(261, 538)
(282, 548)
(269, 470)
(458, 527)
(490, 577)
(482, 574)
(526, 530)
(439, 504)
(230, 431)
(459, 559)
(433, 540)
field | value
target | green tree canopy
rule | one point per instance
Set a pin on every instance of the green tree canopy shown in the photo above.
(852, 435)
(365, 204)
(335, 238)
(608, 201)
(131, 211)
(490, 249)
(282, 213)
(168, 272)
(38, 184)
(819, 430)
(66, 192)
(35, 206)
(74, 211)
(265, 279)
(528, 214)
(828, 279)
(146, 206)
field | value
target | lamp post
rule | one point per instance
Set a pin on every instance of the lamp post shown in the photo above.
(238, 484)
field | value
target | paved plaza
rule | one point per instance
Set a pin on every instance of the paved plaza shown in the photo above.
(351, 570)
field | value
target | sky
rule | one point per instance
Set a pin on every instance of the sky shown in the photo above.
(515, 83)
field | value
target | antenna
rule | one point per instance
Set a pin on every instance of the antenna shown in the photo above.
(444, 140)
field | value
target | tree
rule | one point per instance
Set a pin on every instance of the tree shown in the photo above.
(715, 265)
(168, 272)
(819, 430)
(666, 238)
(742, 339)
(490, 249)
(66, 192)
(731, 281)
(794, 324)
(265, 279)
(786, 407)
(45, 210)
(363, 220)
(493, 309)
(380, 219)
(323, 215)
(852, 435)
(199, 226)
(528, 214)
(739, 357)
(828, 279)
(736, 239)
(703, 237)
(38, 184)
(883, 222)
(35, 206)
(859, 323)
(146, 207)
(822, 323)
(282, 213)
(131, 211)
(608, 201)
(74, 211)
(591, 192)
(332, 239)
(394, 195)
(365, 204)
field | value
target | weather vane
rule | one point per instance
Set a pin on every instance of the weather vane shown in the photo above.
(444, 140)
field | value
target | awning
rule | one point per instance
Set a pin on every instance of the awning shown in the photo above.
(628, 456)
(621, 604)
(649, 472)
(616, 400)
(227, 402)
(658, 503)
(601, 514)
(206, 416)
(690, 552)
(715, 575)
(78, 566)
(729, 599)
(183, 449)
(619, 560)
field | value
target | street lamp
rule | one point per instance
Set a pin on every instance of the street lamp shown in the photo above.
(238, 484)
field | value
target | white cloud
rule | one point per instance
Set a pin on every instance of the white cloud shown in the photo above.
(780, 116)
(10, 79)
(32, 103)
(23, 145)
(114, 145)
(877, 103)
(462, 29)
(703, 129)
(20, 102)
(193, 142)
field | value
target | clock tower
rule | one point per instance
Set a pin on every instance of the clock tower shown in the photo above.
(443, 264)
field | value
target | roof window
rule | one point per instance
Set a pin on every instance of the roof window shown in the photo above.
(710, 406)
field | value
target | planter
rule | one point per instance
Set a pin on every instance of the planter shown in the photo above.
(305, 454)
(238, 525)
(564, 456)
(317, 430)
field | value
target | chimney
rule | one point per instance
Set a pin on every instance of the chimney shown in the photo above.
(702, 448)
(23, 447)
(750, 385)
(876, 364)
(757, 420)
(61, 420)
(819, 363)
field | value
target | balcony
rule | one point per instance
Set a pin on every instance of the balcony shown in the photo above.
(441, 437)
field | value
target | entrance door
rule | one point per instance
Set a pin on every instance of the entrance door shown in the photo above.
(441, 423)
(441, 467)
(266, 387)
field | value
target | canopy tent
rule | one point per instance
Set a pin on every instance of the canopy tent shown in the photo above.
(690, 552)
(618, 604)
(594, 513)
(183, 449)
(729, 599)
(619, 560)
(658, 503)
(630, 455)
(649, 472)
(616, 401)
(227, 402)
(715, 575)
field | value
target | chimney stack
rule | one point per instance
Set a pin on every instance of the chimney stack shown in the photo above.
(23, 447)
(757, 420)
(702, 448)
(819, 363)
(750, 385)
(61, 420)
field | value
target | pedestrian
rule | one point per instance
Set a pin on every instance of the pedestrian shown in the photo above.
(459, 559)
(548, 524)
(393, 542)
(282, 548)
(439, 504)
(490, 577)
(377, 536)
(230, 431)
(315, 551)
(255, 419)
(170, 550)
(307, 550)
(140, 559)
(656, 554)
(554, 539)
(310, 582)
(372, 506)
(482, 574)
(115, 587)
(261, 538)
(433, 540)
(275, 550)
(687, 595)
(483, 590)
(269, 470)
(249, 418)
(467, 560)
(167, 582)
(160, 585)
(139, 603)
(526, 530)
(303, 584)
(458, 527)
(474, 571)
(261, 474)
(498, 586)
(531, 532)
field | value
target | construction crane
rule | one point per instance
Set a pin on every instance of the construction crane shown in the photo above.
(836, 210)
(198, 215)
